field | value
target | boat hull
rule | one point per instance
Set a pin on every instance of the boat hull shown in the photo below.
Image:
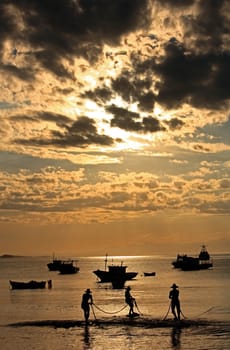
(147, 274)
(106, 276)
(28, 285)
(68, 269)
(196, 266)
(54, 265)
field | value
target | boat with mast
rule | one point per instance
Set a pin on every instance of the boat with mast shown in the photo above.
(116, 274)
(190, 263)
(54, 264)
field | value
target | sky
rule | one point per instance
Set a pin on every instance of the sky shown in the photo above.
(114, 127)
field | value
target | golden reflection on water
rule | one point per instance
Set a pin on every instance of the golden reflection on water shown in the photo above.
(203, 294)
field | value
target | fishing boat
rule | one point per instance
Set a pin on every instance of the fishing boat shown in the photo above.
(190, 263)
(28, 285)
(54, 264)
(68, 267)
(116, 274)
(147, 274)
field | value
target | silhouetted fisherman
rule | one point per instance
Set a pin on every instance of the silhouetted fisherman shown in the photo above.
(175, 302)
(87, 300)
(130, 301)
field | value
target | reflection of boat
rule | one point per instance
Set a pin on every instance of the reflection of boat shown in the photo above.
(147, 274)
(28, 285)
(55, 264)
(68, 267)
(188, 263)
(116, 274)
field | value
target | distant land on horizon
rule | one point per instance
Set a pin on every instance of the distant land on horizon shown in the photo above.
(11, 256)
(5, 256)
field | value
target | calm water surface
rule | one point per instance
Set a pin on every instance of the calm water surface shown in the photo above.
(204, 296)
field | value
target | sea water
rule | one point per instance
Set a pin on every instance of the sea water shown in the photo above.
(204, 296)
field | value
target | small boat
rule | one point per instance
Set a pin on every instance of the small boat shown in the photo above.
(28, 285)
(189, 263)
(116, 274)
(147, 274)
(54, 264)
(68, 267)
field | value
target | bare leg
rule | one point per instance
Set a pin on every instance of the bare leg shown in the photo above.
(86, 314)
(131, 309)
(173, 311)
(178, 310)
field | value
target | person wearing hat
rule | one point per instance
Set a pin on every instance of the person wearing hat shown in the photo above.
(87, 300)
(129, 300)
(175, 302)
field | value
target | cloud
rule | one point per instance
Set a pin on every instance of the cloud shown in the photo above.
(175, 123)
(206, 31)
(56, 118)
(178, 3)
(196, 79)
(24, 74)
(66, 28)
(79, 133)
(100, 95)
(131, 121)
(7, 105)
(57, 190)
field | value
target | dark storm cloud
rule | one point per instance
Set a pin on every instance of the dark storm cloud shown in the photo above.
(38, 117)
(130, 121)
(135, 87)
(7, 24)
(175, 123)
(184, 73)
(151, 124)
(99, 95)
(193, 71)
(53, 117)
(177, 3)
(80, 133)
(132, 86)
(146, 101)
(25, 74)
(50, 61)
(124, 119)
(209, 26)
(198, 79)
(67, 28)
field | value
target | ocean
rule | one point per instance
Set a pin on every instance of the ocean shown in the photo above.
(52, 319)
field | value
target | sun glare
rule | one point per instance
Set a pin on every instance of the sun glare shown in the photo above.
(90, 81)
(160, 113)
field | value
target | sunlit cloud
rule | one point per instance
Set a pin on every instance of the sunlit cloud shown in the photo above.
(110, 116)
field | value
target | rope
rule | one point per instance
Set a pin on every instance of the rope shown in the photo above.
(116, 312)
(138, 309)
(211, 308)
(93, 312)
(205, 312)
(107, 312)
(167, 312)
